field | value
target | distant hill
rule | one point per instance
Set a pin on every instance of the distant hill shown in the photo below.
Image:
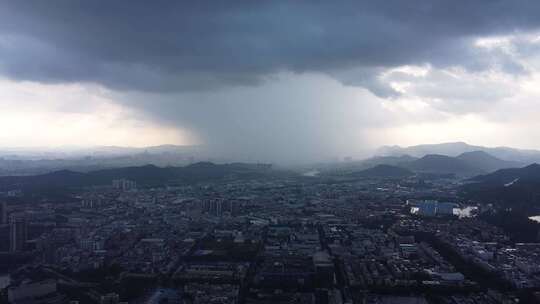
(530, 173)
(401, 160)
(467, 164)
(517, 188)
(383, 171)
(486, 162)
(456, 148)
(433, 163)
(149, 174)
(448, 149)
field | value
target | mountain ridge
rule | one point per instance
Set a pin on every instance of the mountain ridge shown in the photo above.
(147, 174)
(455, 149)
(486, 161)
(467, 164)
(436, 163)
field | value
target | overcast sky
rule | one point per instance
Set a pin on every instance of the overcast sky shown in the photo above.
(270, 80)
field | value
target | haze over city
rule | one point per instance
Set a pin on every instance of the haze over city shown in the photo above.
(273, 81)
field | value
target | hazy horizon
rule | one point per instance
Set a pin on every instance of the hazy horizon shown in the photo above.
(199, 153)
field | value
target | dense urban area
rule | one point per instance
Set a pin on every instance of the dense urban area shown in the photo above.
(270, 152)
(280, 238)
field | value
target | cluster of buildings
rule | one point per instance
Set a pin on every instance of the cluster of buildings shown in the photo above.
(283, 240)
(483, 248)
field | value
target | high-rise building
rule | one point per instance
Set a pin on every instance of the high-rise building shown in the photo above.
(3, 213)
(217, 207)
(124, 184)
(91, 201)
(214, 206)
(18, 234)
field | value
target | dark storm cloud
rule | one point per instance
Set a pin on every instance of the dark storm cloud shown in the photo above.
(165, 46)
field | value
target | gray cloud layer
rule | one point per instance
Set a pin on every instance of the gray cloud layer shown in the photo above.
(199, 45)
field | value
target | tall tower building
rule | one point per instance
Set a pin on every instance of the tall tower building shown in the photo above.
(3, 213)
(18, 234)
